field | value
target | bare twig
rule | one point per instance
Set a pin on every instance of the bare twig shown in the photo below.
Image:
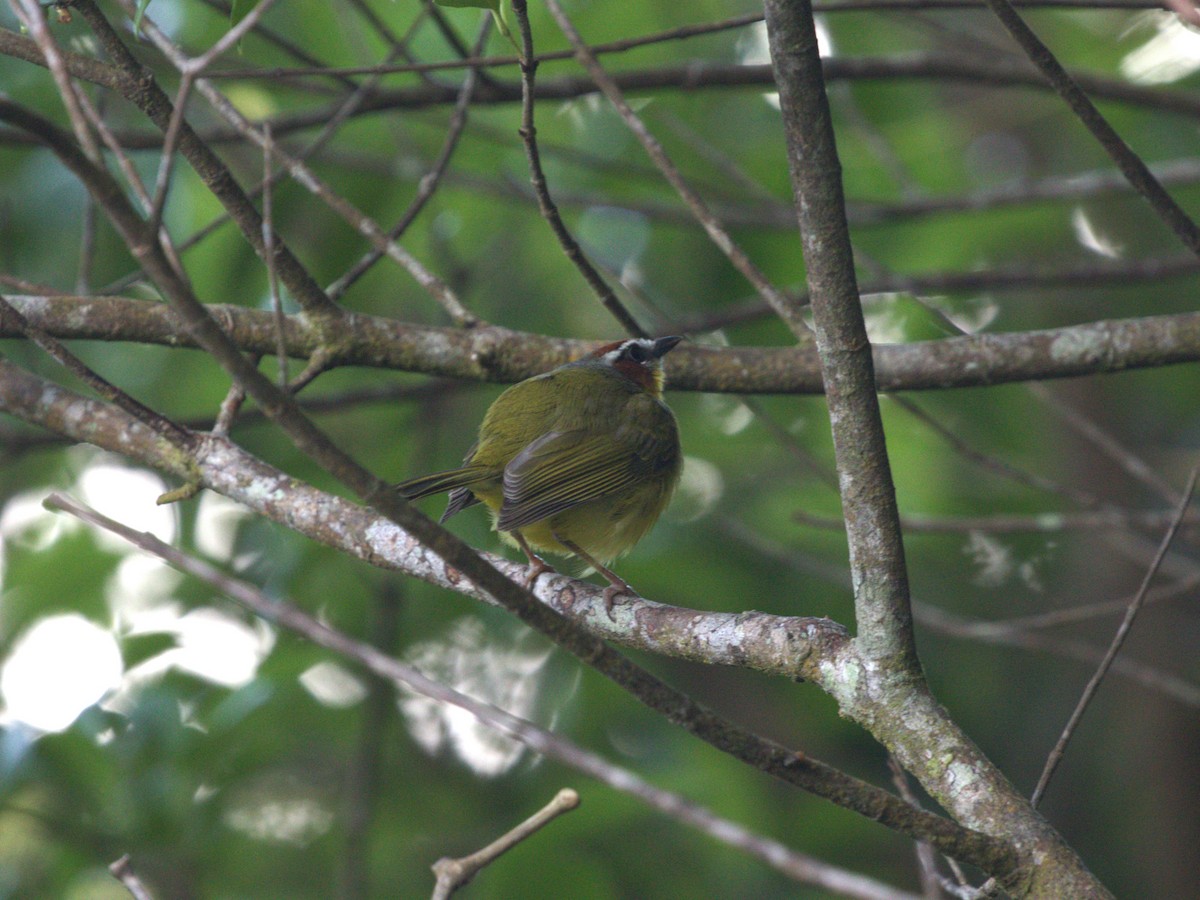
(1047, 522)
(429, 182)
(541, 189)
(927, 864)
(1130, 164)
(230, 406)
(122, 870)
(281, 354)
(362, 223)
(170, 141)
(1184, 587)
(158, 423)
(455, 873)
(1114, 648)
(365, 774)
(1105, 442)
(783, 305)
(1150, 677)
(33, 17)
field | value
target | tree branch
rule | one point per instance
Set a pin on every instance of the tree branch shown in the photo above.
(493, 353)
(878, 571)
(810, 646)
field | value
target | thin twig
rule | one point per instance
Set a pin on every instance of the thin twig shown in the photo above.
(366, 771)
(429, 182)
(362, 223)
(881, 593)
(1130, 164)
(281, 353)
(1184, 587)
(1114, 647)
(250, 20)
(780, 302)
(33, 17)
(1106, 443)
(122, 870)
(455, 873)
(157, 423)
(541, 189)
(927, 864)
(170, 141)
(230, 406)
(681, 32)
(1048, 522)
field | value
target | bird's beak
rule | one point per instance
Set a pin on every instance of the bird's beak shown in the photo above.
(665, 345)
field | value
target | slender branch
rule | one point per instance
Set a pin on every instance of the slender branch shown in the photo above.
(33, 17)
(1106, 443)
(908, 719)
(455, 873)
(122, 870)
(429, 182)
(139, 87)
(1130, 164)
(783, 305)
(1183, 588)
(998, 73)
(1149, 677)
(1017, 523)
(541, 189)
(281, 354)
(365, 774)
(1135, 605)
(672, 34)
(938, 67)
(161, 425)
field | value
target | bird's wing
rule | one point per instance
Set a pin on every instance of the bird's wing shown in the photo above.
(561, 470)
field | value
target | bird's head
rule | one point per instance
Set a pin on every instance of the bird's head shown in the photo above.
(638, 359)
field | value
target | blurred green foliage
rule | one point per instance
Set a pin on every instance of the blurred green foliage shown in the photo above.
(267, 787)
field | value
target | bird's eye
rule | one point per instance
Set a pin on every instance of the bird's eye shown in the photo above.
(637, 353)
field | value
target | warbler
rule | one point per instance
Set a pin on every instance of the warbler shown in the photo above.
(581, 460)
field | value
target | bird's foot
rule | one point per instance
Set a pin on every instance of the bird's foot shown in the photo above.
(537, 566)
(616, 587)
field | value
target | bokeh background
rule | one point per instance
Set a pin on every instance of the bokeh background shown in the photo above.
(144, 714)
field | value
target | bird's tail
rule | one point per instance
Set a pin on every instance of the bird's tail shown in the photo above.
(457, 481)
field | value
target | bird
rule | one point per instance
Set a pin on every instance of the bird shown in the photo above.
(581, 460)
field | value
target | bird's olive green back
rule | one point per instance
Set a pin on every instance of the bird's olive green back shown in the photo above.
(571, 436)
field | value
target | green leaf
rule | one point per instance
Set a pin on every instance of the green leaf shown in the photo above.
(141, 11)
(497, 9)
(238, 10)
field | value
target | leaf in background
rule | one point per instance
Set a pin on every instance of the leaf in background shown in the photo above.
(497, 10)
(238, 10)
(137, 19)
